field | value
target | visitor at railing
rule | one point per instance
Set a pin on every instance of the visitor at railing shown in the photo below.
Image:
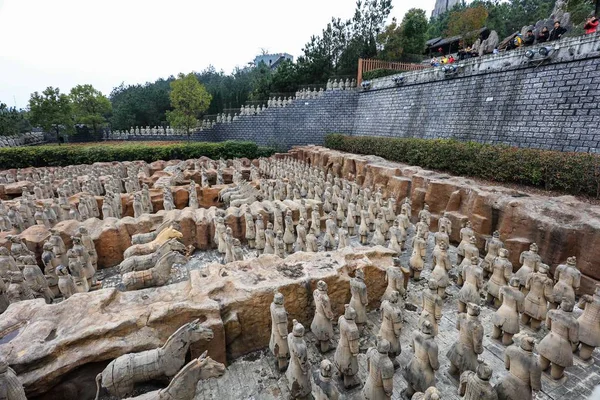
(543, 36)
(529, 38)
(591, 24)
(557, 32)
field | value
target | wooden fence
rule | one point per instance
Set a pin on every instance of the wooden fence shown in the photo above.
(372, 65)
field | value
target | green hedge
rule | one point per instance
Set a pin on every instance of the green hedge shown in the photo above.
(54, 155)
(575, 173)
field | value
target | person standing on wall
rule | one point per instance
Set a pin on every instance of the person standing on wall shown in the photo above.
(591, 24)
(543, 36)
(557, 32)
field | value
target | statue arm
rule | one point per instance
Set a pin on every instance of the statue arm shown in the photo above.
(363, 296)
(388, 382)
(557, 272)
(438, 309)
(577, 281)
(478, 339)
(548, 321)
(536, 377)
(506, 360)
(521, 258)
(433, 356)
(528, 282)
(586, 298)
(574, 333)
(327, 309)
(464, 379)
(282, 329)
(508, 272)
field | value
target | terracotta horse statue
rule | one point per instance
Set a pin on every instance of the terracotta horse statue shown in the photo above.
(183, 385)
(155, 276)
(147, 248)
(120, 376)
(141, 263)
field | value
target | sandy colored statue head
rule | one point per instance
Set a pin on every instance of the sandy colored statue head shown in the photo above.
(359, 274)
(432, 285)
(533, 247)
(349, 312)
(298, 328)
(484, 372)
(278, 298)
(383, 346)
(322, 286)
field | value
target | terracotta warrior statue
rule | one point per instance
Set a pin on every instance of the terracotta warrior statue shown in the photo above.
(395, 238)
(380, 372)
(470, 250)
(473, 283)
(298, 371)
(441, 267)
(556, 348)
(395, 281)
(567, 278)
(279, 245)
(492, 246)
(535, 305)
(359, 299)
(417, 258)
(66, 284)
(465, 236)
(420, 371)
(524, 376)
(391, 325)
(530, 261)
(269, 240)
(463, 354)
(476, 385)
(35, 279)
(431, 307)
(288, 237)
(324, 387)
(11, 387)
(589, 324)
(363, 229)
(501, 274)
(300, 236)
(279, 332)
(321, 325)
(312, 246)
(250, 229)
(506, 318)
(346, 353)
(260, 235)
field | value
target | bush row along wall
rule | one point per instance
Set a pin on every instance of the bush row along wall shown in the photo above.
(54, 155)
(576, 173)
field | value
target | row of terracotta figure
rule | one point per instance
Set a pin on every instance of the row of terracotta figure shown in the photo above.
(291, 353)
(65, 272)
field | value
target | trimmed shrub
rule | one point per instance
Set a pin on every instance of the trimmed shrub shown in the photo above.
(574, 173)
(54, 155)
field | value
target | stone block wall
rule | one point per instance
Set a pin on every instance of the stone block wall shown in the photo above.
(551, 103)
(503, 99)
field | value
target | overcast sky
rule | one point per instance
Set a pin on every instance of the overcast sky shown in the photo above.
(68, 42)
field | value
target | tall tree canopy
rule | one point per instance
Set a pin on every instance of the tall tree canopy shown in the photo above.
(407, 40)
(90, 106)
(52, 111)
(12, 121)
(189, 99)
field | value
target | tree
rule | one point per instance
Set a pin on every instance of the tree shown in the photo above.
(414, 31)
(466, 22)
(12, 121)
(52, 111)
(140, 105)
(90, 106)
(398, 42)
(189, 99)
